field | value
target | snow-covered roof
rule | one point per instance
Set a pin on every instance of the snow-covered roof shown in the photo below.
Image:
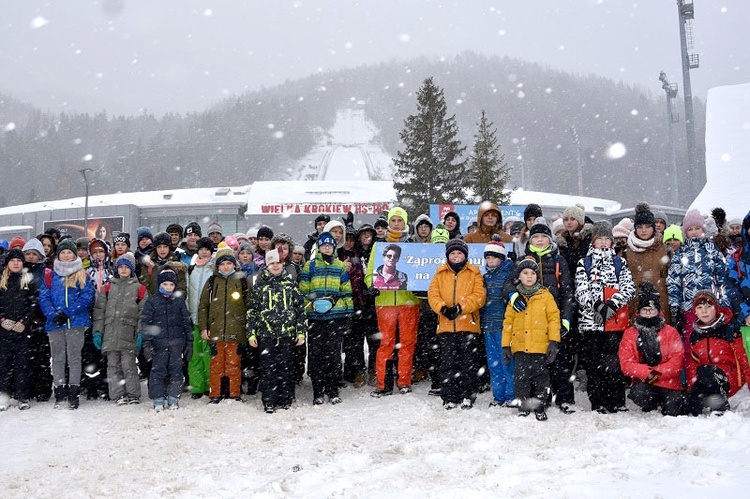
(592, 205)
(727, 151)
(148, 199)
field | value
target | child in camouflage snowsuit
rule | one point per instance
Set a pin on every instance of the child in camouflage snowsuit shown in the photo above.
(275, 325)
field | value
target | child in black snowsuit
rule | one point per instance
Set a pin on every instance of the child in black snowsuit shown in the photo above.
(167, 333)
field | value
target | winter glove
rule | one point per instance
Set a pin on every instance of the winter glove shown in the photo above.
(60, 319)
(138, 341)
(241, 349)
(98, 340)
(187, 352)
(446, 311)
(18, 327)
(552, 350)
(214, 350)
(604, 311)
(372, 292)
(518, 302)
(507, 356)
(675, 315)
(148, 352)
(451, 312)
(653, 377)
(612, 309)
(565, 329)
(300, 340)
(7, 324)
(253, 340)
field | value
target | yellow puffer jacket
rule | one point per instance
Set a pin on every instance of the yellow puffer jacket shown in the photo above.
(465, 288)
(531, 331)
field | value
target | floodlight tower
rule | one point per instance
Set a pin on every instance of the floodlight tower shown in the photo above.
(671, 91)
(686, 14)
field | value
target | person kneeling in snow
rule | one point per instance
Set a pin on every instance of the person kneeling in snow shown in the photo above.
(651, 353)
(717, 365)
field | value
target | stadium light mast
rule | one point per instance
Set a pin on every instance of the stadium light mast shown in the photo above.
(671, 92)
(686, 14)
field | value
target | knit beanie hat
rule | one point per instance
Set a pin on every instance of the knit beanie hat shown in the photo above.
(703, 296)
(245, 246)
(673, 232)
(557, 226)
(381, 222)
(440, 234)
(456, 245)
(326, 238)
(643, 215)
(265, 231)
(252, 233)
(225, 255)
(495, 248)
(272, 256)
(14, 253)
(528, 263)
(532, 210)
(454, 216)
(66, 244)
(166, 274)
(128, 260)
(423, 219)
(142, 232)
(540, 227)
(122, 237)
(735, 221)
(576, 212)
(660, 215)
(240, 236)
(205, 242)
(623, 228)
(710, 227)
(601, 228)
(648, 296)
(175, 228)
(3, 246)
(322, 218)
(693, 218)
(19, 242)
(54, 232)
(162, 238)
(397, 211)
(298, 250)
(214, 227)
(193, 228)
(232, 242)
(83, 243)
(35, 244)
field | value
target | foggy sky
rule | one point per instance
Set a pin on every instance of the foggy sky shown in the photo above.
(127, 56)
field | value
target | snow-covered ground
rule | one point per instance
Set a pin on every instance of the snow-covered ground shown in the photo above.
(348, 151)
(404, 446)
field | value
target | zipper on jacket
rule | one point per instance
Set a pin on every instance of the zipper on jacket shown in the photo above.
(455, 283)
(65, 282)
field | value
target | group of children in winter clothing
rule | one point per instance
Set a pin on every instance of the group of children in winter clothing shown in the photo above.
(244, 311)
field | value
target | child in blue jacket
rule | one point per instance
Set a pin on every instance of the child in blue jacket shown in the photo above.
(498, 268)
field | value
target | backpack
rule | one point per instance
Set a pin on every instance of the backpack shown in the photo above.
(141, 291)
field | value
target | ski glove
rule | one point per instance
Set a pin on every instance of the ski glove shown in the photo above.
(518, 302)
(604, 311)
(60, 319)
(451, 312)
(97, 340)
(675, 315)
(187, 352)
(373, 292)
(552, 350)
(138, 341)
(148, 352)
(214, 350)
(565, 328)
(507, 356)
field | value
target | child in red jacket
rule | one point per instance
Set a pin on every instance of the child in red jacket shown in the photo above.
(651, 353)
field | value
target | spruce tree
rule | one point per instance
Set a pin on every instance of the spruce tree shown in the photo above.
(429, 167)
(489, 173)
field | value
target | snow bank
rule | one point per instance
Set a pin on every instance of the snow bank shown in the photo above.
(404, 446)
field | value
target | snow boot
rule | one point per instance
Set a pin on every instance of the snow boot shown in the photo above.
(540, 415)
(61, 395)
(73, 392)
(23, 405)
(380, 393)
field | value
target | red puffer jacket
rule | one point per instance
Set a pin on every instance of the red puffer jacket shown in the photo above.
(672, 358)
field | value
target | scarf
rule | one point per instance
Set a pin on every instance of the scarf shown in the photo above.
(456, 267)
(639, 245)
(394, 236)
(529, 291)
(648, 339)
(539, 251)
(66, 269)
(165, 292)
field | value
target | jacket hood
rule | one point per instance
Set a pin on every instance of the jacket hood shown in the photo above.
(484, 208)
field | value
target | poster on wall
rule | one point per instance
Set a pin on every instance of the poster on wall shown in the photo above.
(102, 227)
(411, 266)
(468, 213)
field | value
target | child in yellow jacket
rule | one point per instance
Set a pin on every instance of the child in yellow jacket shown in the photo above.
(532, 337)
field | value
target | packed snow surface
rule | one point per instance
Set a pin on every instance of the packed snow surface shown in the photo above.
(404, 446)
